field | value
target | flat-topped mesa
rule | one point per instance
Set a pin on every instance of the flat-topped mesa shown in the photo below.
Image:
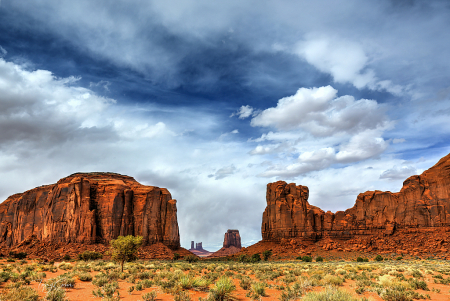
(423, 202)
(90, 208)
(232, 238)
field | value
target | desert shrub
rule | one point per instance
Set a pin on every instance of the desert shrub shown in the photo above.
(181, 296)
(333, 280)
(149, 296)
(396, 295)
(59, 282)
(201, 284)
(65, 266)
(378, 258)
(66, 257)
(399, 258)
(359, 259)
(58, 294)
(330, 294)
(305, 258)
(266, 254)
(319, 259)
(84, 276)
(191, 258)
(245, 283)
(291, 293)
(100, 280)
(418, 284)
(416, 274)
(4, 276)
(243, 258)
(255, 258)
(222, 289)
(109, 291)
(89, 255)
(257, 290)
(22, 293)
(176, 256)
(19, 255)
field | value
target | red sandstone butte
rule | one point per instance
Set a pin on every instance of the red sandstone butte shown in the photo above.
(231, 244)
(232, 238)
(423, 204)
(88, 208)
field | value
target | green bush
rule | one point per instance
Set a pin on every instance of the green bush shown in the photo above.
(191, 258)
(319, 259)
(90, 255)
(360, 259)
(399, 258)
(176, 256)
(20, 255)
(379, 258)
(266, 254)
(222, 290)
(255, 258)
(306, 258)
(257, 290)
(243, 258)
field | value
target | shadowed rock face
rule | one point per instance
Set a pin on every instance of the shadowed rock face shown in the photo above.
(90, 208)
(423, 202)
(232, 238)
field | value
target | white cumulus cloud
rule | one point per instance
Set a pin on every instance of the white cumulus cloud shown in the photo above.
(319, 112)
(346, 61)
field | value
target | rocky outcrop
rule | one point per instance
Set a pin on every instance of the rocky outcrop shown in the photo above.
(231, 244)
(232, 238)
(422, 203)
(88, 208)
(198, 250)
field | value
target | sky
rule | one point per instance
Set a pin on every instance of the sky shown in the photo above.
(215, 99)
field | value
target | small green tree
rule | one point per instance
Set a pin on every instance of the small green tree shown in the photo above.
(379, 258)
(124, 248)
(267, 254)
(255, 258)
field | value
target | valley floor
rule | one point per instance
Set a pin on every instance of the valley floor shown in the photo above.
(402, 279)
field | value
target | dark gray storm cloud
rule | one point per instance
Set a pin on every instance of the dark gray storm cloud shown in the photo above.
(215, 99)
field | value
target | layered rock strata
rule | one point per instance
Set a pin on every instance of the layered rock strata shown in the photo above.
(90, 208)
(422, 203)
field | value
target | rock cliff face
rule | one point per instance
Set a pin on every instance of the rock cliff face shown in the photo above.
(422, 203)
(90, 208)
(232, 238)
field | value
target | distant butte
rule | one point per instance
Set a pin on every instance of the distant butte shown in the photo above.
(198, 250)
(231, 244)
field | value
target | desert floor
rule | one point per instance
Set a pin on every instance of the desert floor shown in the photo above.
(230, 280)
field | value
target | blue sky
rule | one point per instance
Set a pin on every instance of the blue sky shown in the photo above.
(214, 100)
